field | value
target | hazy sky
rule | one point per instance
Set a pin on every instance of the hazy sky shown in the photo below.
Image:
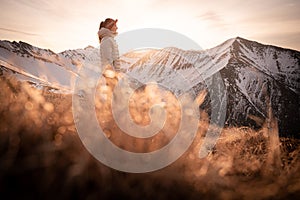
(70, 24)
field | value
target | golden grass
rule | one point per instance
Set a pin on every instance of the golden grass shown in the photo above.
(41, 153)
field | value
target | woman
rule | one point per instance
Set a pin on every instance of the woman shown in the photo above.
(109, 51)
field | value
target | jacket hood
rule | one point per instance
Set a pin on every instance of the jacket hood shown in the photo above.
(104, 32)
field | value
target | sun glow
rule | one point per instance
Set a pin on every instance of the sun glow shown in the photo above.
(63, 27)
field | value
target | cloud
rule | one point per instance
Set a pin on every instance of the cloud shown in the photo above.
(38, 5)
(214, 19)
(210, 15)
(16, 31)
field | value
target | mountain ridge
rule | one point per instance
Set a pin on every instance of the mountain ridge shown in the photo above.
(251, 73)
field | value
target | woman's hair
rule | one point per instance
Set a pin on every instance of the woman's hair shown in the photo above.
(107, 23)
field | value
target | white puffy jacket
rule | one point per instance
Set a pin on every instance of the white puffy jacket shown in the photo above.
(109, 51)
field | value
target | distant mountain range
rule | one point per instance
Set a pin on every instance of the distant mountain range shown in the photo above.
(252, 74)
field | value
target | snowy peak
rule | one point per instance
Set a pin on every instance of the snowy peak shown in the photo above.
(281, 64)
(26, 50)
(33, 64)
(236, 54)
(88, 53)
(43, 66)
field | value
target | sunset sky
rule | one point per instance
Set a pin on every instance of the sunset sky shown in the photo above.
(71, 24)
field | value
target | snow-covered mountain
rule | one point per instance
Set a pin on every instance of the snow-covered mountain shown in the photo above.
(43, 66)
(251, 73)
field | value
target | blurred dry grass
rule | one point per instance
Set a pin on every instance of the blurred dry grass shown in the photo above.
(41, 155)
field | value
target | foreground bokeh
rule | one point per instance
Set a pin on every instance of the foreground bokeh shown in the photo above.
(41, 155)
